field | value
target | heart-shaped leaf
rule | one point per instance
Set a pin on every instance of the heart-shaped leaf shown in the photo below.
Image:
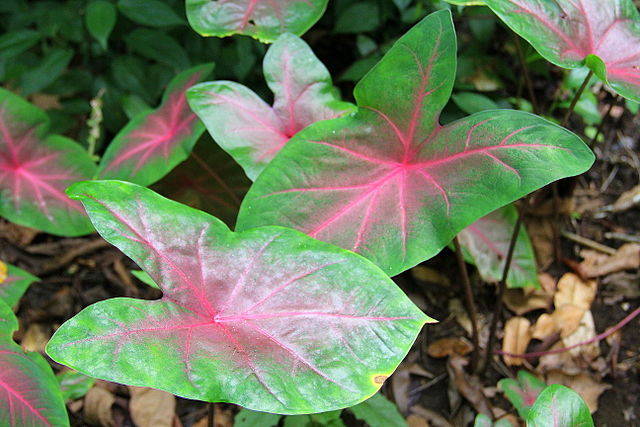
(269, 318)
(485, 243)
(35, 168)
(567, 32)
(264, 20)
(559, 406)
(251, 131)
(13, 283)
(29, 393)
(522, 393)
(154, 142)
(390, 182)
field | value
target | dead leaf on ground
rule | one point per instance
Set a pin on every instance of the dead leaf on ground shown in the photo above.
(97, 407)
(462, 317)
(562, 361)
(429, 275)
(448, 346)
(517, 335)
(627, 257)
(541, 234)
(567, 319)
(469, 386)
(151, 408)
(544, 327)
(519, 302)
(627, 200)
(433, 418)
(36, 338)
(584, 384)
(618, 286)
(584, 332)
(575, 291)
(21, 236)
(400, 383)
(414, 420)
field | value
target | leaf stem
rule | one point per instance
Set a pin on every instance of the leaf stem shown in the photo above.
(525, 72)
(471, 305)
(576, 98)
(210, 415)
(597, 338)
(501, 288)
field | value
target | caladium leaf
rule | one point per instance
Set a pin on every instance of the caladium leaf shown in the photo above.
(390, 182)
(264, 20)
(154, 142)
(568, 32)
(29, 393)
(74, 385)
(523, 392)
(35, 168)
(559, 406)
(249, 129)
(13, 283)
(485, 243)
(269, 318)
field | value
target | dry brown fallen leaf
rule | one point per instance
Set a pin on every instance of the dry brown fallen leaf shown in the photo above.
(575, 291)
(35, 338)
(97, 407)
(414, 420)
(433, 418)
(151, 408)
(400, 383)
(468, 386)
(584, 384)
(448, 346)
(627, 257)
(521, 301)
(567, 319)
(626, 200)
(584, 332)
(517, 335)
(541, 233)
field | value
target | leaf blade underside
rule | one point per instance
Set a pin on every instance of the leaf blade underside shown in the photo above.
(29, 393)
(250, 130)
(567, 32)
(154, 142)
(299, 326)
(390, 182)
(485, 244)
(264, 20)
(14, 283)
(35, 168)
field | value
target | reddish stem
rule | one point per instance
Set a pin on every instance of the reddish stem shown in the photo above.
(597, 338)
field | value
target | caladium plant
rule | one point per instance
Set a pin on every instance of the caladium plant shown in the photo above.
(264, 20)
(268, 318)
(29, 392)
(249, 129)
(390, 182)
(604, 35)
(559, 406)
(155, 141)
(36, 167)
(13, 283)
(485, 243)
(523, 392)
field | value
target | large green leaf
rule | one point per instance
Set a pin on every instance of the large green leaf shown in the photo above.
(559, 406)
(29, 393)
(263, 19)
(155, 141)
(377, 411)
(35, 168)
(572, 33)
(249, 129)
(390, 182)
(269, 318)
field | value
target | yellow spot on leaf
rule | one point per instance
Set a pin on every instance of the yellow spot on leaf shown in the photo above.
(3, 272)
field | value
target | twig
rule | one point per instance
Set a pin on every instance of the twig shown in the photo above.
(623, 237)
(471, 305)
(576, 98)
(501, 287)
(597, 338)
(525, 72)
(72, 254)
(429, 384)
(588, 242)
